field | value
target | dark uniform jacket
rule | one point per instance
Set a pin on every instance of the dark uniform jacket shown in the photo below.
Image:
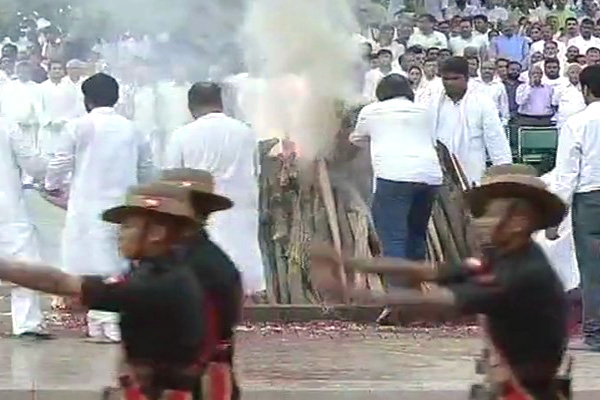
(526, 310)
(160, 324)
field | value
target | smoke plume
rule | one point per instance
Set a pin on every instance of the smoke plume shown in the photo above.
(304, 57)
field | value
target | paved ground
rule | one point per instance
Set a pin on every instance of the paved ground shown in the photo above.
(290, 362)
(316, 361)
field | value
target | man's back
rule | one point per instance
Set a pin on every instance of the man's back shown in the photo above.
(11, 197)
(108, 151)
(219, 144)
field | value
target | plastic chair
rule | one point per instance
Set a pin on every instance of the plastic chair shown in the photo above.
(536, 143)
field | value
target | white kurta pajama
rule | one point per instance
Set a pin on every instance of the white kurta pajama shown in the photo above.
(226, 148)
(105, 155)
(17, 233)
(20, 104)
(561, 252)
(469, 129)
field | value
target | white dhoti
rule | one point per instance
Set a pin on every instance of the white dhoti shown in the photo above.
(90, 248)
(561, 254)
(19, 241)
(236, 232)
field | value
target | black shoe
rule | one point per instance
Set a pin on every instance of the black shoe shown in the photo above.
(36, 336)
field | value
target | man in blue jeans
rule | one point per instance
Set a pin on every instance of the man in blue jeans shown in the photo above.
(405, 165)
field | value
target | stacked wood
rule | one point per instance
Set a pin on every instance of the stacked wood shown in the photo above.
(325, 200)
(301, 203)
(450, 236)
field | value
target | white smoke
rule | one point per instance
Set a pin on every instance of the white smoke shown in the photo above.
(304, 55)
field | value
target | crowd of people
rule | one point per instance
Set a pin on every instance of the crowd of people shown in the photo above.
(81, 128)
(469, 76)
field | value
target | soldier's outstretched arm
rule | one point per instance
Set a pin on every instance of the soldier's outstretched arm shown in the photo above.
(40, 277)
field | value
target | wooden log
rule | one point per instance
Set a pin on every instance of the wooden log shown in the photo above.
(330, 208)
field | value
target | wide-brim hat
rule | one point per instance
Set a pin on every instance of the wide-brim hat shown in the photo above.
(201, 185)
(153, 199)
(517, 181)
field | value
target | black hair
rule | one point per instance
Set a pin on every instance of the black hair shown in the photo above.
(393, 86)
(590, 78)
(587, 21)
(552, 61)
(505, 60)
(204, 94)
(445, 51)
(59, 62)
(514, 63)
(570, 19)
(429, 50)
(385, 51)
(480, 17)
(473, 58)
(10, 46)
(591, 49)
(455, 65)
(415, 67)
(387, 27)
(552, 42)
(430, 17)
(416, 49)
(101, 90)
(466, 19)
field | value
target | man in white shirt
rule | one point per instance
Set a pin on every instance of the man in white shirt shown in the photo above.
(548, 37)
(467, 122)
(73, 80)
(55, 108)
(466, 39)
(578, 184)
(425, 36)
(226, 148)
(585, 40)
(100, 156)
(568, 97)
(374, 76)
(20, 103)
(19, 238)
(406, 167)
(495, 89)
(385, 40)
(462, 9)
(552, 76)
(495, 12)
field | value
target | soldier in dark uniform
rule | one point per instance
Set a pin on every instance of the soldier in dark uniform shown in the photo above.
(513, 284)
(219, 278)
(161, 358)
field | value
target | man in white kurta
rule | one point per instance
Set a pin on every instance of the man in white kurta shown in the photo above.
(17, 233)
(467, 123)
(20, 103)
(105, 155)
(75, 76)
(226, 148)
(495, 90)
